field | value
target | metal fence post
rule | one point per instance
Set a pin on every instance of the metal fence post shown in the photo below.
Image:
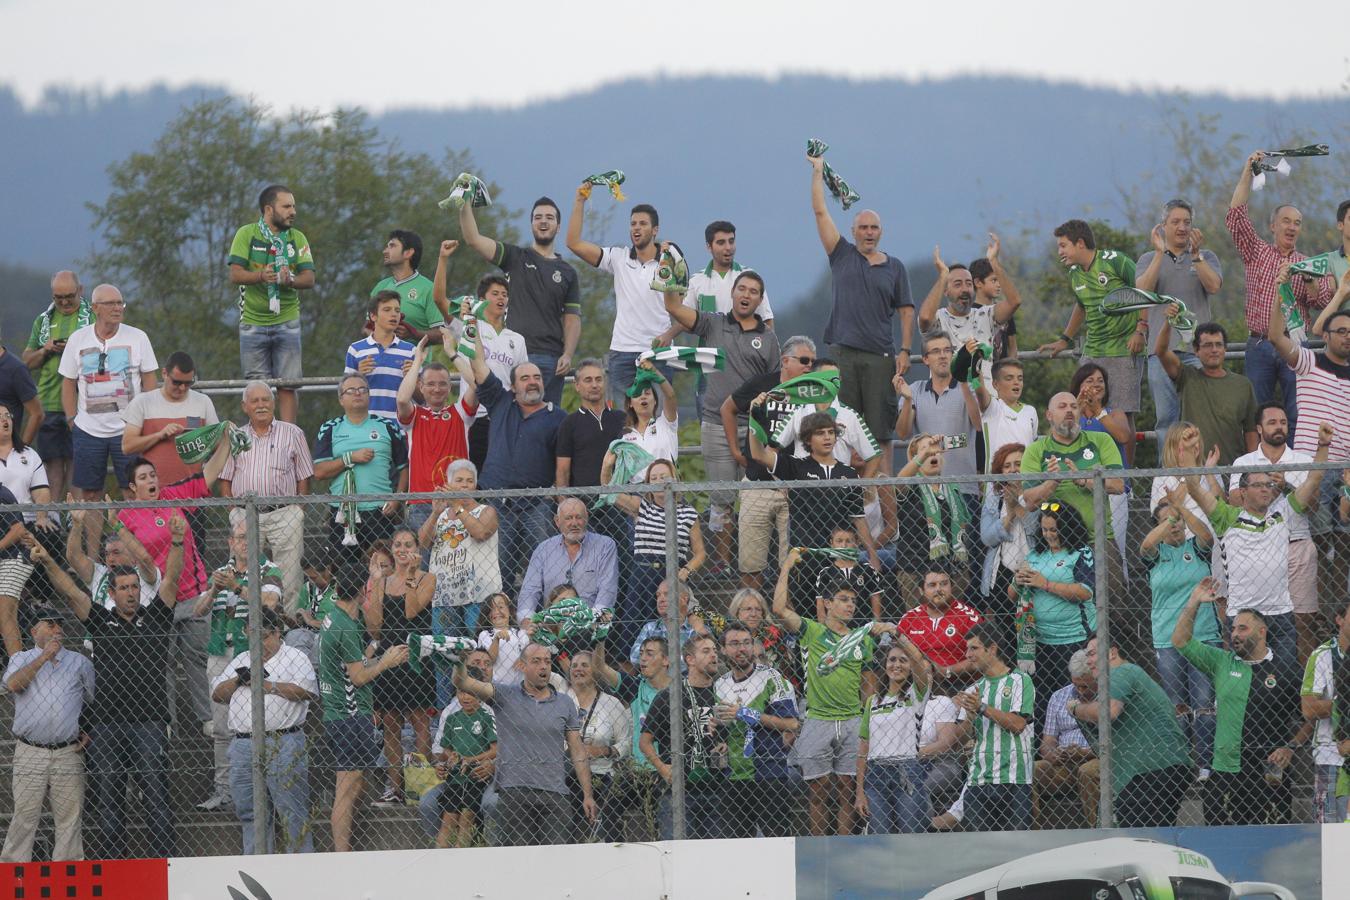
(261, 818)
(673, 632)
(1101, 512)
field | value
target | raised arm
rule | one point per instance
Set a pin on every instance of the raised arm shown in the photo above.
(825, 227)
(485, 247)
(678, 312)
(1242, 191)
(928, 309)
(84, 527)
(1306, 493)
(583, 248)
(1007, 307)
(1204, 592)
(76, 599)
(758, 452)
(463, 681)
(173, 563)
(782, 608)
(404, 398)
(1276, 325)
(1162, 347)
(438, 293)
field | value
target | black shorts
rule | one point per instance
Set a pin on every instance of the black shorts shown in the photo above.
(458, 796)
(53, 438)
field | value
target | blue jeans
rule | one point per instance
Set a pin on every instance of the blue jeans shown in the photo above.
(621, 369)
(523, 523)
(1329, 807)
(1165, 399)
(121, 751)
(270, 351)
(998, 807)
(897, 797)
(287, 772)
(553, 384)
(1283, 638)
(1186, 685)
(702, 812)
(429, 809)
(1263, 368)
(91, 457)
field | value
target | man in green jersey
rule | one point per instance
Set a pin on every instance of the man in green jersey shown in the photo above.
(401, 256)
(1258, 717)
(827, 747)
(1151, 767)
(345, 675)
(996, 712)
(1116, 343)
(69, 311)
(643, 788)
(271, 262)
(1320, 697)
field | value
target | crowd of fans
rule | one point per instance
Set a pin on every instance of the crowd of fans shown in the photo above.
(895, 657)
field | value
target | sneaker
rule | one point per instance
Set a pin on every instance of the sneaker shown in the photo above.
(208, 729)
(1202, 776)
(390, 797)
(215, 803)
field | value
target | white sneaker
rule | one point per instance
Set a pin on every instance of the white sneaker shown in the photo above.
(1202, 776)
(208, 728)
(215, 803)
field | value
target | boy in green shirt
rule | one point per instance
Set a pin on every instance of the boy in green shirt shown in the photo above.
(468, 738)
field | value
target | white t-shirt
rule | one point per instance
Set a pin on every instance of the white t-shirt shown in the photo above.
(710, 291)
(23, 472)
(937, 711)
(854, 435)
(640, 312)
(978, 324)
(290, 665)
(100, 587)
(504, 349)
(108, 374)
(466, 570)
(1298, 523)
(508, 651)
(1164, 483)
(661, 440)
(1004, 425)
(1318, 682)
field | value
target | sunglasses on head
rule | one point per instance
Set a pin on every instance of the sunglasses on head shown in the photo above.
(1050, 506)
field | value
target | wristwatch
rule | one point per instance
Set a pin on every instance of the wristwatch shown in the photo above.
(982, 708)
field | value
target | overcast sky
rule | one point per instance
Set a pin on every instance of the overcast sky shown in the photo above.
(453, 53)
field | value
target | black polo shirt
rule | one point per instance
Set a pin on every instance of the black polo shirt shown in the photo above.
(768, 415)
(813, 513)
(129, 662)
(585, 437)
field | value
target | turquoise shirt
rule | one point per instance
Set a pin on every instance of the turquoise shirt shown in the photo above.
(1060, 621)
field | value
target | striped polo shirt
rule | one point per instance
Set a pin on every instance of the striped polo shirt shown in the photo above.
(384, 379)
(999, 756)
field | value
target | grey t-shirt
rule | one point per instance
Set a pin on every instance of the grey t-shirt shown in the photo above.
(946, 413)
(748, 353)
(863, 298)
(530, 737)
(1177, 278)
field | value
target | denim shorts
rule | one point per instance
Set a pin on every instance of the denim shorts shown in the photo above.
(270, 351)
(53, 438)
(91, 454)
(353, 742)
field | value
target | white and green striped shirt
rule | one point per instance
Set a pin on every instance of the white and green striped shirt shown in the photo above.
(1001, 757)
(1319, 680)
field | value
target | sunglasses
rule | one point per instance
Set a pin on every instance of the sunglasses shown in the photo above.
(1050, 507)
(804, 360)
(176, 382)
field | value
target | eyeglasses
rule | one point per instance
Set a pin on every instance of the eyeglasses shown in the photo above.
(117, 304)
(1050, 507)
(355, 390)
(939, 351)
(1339, 332)
(804, 360)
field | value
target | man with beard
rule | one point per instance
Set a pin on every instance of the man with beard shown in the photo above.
(524, 430)
(1272, 426)
(960, 318)
(271, 262)
(1258, 717)
(938, 627)
(640, 312)
(545, 296)
(1255, 540)
(1220, 403)
(867, 288)
(401, 255)
(758, 708)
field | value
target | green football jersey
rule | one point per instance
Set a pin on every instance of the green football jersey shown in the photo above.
(229, 622)
(59, 327)
(999, 756)
(765, 690)
(468, 735)
(250, 250)
(837, 695)
(1104, 335)
(1087, 451)
(415, 299)
(342, 641)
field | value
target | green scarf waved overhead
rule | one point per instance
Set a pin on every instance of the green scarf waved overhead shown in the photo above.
(438, 648)
(682, 358)
(84, 314)
(951, 541)
(611, 180)
(196, 446)
(849, 649)
(467, 189)
(642, 380)
(836, 185)
(672, 272)
(574, 619)
(276, 253)
(1278, 161)
(805, 389)
(629, 459)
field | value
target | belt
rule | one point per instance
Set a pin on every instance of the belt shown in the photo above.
(272, 507)
(248, 735)
(60, 746)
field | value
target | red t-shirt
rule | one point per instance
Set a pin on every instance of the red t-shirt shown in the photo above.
(436, 439)
(151, 528)
(941, 640)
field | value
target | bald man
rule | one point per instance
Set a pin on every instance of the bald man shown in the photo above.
(867, 286)
(576, 556)
(68, 312)
(103, 365)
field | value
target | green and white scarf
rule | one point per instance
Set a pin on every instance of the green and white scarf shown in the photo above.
(806, 389)
(467, 189)
(1024, 622)
(629, 459)
(836, 185)
(952, 541)
(672, 272)
(849, 649)
(465, 345)
(1278, 161)
(1313, 267)
(682, 358)
(642, 380)
(573, 618)
(276, 242)
(441, 650)
(1127, 300)
(611, 180)
(84, 314)
(966, 365)
(196, 446)
(848, 554)
(348, 514)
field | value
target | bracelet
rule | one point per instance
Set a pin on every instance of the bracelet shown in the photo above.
(1065, 338)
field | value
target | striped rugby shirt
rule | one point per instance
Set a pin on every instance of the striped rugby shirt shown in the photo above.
(1001, 757)
(1323, 395)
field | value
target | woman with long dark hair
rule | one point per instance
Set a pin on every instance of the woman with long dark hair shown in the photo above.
(890, 790)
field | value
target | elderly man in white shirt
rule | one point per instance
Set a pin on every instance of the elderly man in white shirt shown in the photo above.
(288, 686)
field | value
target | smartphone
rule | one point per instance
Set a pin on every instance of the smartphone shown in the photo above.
(954, 441)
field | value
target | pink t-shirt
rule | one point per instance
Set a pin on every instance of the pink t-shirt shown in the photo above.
(151, 528)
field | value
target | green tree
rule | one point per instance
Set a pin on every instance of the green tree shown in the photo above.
(172, 211)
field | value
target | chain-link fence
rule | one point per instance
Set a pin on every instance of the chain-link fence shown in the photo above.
(495, 667)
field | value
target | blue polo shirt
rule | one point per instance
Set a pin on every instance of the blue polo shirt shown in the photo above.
(523, 448)
(385, 378)
(380, 475)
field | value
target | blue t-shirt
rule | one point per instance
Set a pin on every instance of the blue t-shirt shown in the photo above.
(531, 460)
(384, 379)
(380, 475)
(1059, 621)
